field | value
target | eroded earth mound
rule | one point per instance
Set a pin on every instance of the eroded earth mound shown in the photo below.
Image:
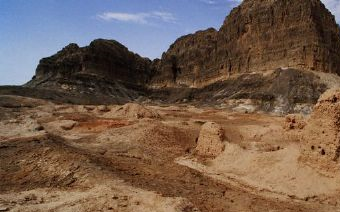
(134, 110)
(210, 140)
(320, 136)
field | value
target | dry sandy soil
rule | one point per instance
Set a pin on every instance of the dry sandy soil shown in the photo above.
(144, 158)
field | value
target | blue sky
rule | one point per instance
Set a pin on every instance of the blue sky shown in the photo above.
(32, 29)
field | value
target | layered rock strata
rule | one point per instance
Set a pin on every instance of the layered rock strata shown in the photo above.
(258, 35)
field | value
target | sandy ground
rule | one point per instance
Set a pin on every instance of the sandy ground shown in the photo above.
(143, 158)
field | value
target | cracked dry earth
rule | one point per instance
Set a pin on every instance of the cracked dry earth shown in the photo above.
(142, 158)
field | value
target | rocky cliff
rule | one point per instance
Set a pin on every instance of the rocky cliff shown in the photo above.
(273, 52)
(105, 67)
(256, 36)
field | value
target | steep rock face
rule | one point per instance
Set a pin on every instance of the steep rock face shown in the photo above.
(256, 36)
(264, 52)
(188, 60)
(105, 66)
(105, 59)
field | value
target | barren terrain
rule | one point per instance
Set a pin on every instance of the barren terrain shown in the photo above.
(144, 158)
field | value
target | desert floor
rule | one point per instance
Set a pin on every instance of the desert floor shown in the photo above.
(143, 158)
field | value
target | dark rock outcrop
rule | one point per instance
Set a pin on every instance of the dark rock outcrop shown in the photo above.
(278, 91)
(258, 35)
(105, 67)
(188, 61)
(106, 59)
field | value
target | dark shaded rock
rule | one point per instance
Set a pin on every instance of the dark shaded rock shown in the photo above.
(103, 59)
(280, 88)
(188, 61)
(105, 67)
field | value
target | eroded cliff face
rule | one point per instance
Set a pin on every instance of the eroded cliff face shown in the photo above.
(105, 68)
(272, 52)
(257, 36)
(105, 59)
(188, 61)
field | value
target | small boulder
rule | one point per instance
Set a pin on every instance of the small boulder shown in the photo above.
(3, 208)
(67, 124)
(30, 197)
(39, 128)
(89, 107)
(135, 111)
(210, 140)
(103, 108)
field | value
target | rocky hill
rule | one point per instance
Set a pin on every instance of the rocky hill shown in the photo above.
(105, 67)
(266, 51)
(256, 36)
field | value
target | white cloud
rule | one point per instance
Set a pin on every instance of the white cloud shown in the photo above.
(334, 7)
(151, 17)
(164, 16)
(138, 18)
(208, 1)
